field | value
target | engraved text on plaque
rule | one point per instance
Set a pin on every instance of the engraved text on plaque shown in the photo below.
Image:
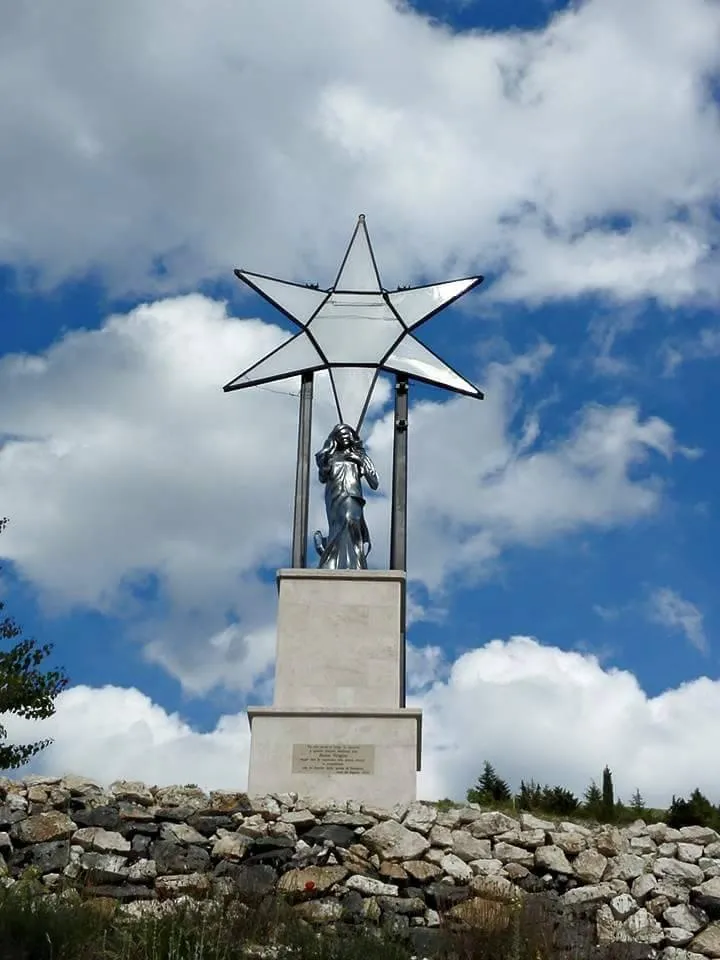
(333, 758)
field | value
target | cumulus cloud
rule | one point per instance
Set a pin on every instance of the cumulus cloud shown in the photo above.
(668, 608)
(532, 710)
(159, 145)
(128, 473)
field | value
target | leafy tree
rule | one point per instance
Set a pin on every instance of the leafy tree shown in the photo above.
(608, 799)
(24, 689)
(489, 788)
(637, 803)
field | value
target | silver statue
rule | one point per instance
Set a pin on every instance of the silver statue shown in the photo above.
(342, 463)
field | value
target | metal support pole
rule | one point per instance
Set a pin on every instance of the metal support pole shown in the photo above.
(302, 473)
(398, 518)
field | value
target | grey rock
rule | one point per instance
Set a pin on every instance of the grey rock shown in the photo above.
(49, 857)
(456, 868)
(643, 886)
(569, 842)
(410, 906)
(101, 840)
(248, 879)
(625, 866)
(552, 858)
(594, 893)
(319, 911)
(530, 822)
(106, 816)
(370, 887)
(686, 916)
(676, 870)
(421, 871)
(494, 888)
(123, 892)
(420, 817)
(697, 834)
(104, 867)
(642, 845)
(642, 927)
(142, 871)
(492, 866)
(491, 825)
(174, 858)
(442, 895)
(443, 836)
(589, 865)
(335, 833)
(689, 852)
(185, 884)
(43, 828)
(706, 896)
(508, 852)
(622, 906)
(677, 936)
(392, 841)
(707, 942)
(468, 847)
(132, 790)
(674, 891)
(181, 833)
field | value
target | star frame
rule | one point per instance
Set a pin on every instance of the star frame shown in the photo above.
(354, 330)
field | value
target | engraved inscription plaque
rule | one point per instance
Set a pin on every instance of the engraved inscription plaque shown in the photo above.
(333, 758)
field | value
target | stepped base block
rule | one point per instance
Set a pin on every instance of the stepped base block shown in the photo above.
(370, 755)
(340, 639)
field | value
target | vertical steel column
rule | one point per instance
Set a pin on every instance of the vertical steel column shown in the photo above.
(398, 517)
(302, 473)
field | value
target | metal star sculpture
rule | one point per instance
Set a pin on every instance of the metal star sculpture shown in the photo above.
(355, 329)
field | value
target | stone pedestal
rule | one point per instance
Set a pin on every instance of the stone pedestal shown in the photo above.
(338, 728)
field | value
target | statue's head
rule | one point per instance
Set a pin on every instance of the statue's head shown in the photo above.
(344, 436)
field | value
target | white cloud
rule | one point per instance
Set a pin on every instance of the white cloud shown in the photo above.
(705, 346)
(532, 710)
(130, 466)
(139, 134)
(668, 608)
(133, 738)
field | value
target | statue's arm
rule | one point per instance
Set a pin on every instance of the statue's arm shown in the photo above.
(321, 459)
(370, 472)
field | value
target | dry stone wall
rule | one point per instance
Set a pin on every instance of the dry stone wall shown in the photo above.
(408, 869)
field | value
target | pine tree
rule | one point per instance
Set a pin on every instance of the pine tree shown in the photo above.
(24, 689)
(697, 811)
(530, 795)
(637, 803)
(592, 799)
(608, 800)
(559, 800)
(489, 788)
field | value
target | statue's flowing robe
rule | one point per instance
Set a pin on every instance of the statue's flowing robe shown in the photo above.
(348, 540)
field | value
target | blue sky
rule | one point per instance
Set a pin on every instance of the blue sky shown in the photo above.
(563, 532)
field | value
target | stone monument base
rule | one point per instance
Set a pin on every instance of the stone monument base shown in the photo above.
(338, 754)
(338, 728)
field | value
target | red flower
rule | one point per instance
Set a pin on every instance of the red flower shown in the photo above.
(309, 885)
